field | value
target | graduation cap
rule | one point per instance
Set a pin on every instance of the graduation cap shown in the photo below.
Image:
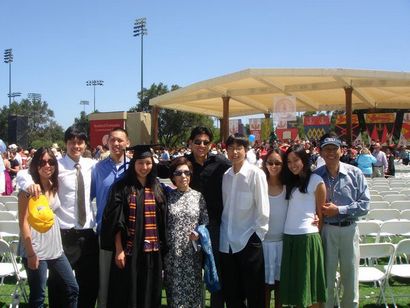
(142, 151)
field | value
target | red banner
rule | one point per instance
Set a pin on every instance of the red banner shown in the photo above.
(380, 126)
(100, 128)
(286, 134)
(316, 120)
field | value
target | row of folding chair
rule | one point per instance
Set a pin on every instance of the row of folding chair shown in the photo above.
(4, 199)
(381, 215)
(9, 229)
(400, 205)
(371, 272)
(377, 231)
(390, 197)
(9, 206)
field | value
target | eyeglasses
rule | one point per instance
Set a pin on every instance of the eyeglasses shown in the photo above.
(276, 163)
(185, 172)
(50, 162)
(199, 142)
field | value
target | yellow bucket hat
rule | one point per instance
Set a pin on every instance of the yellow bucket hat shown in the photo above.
(40, 215)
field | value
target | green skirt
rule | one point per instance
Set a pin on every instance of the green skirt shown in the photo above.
(302, 278)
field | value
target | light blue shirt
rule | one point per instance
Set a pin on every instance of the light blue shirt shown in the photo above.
(349, 191)
(365, 163)
(105, 173)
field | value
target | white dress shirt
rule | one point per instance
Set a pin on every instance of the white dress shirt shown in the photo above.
(67, 192)
(245, 207)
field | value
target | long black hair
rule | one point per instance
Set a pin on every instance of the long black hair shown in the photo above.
(152, 182)
(300, 180)
(35, 165)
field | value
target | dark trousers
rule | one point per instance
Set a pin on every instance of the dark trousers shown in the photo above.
(81, 248)
(243, 275)
(217, 298)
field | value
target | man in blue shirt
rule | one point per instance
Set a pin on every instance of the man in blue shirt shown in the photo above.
(105, 173)
(347, 198)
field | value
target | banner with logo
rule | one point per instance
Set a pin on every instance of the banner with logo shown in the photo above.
(380, 126)
(235, 126)
(316, 126)
(255, 127)
(340, 127)
(286, 135)
(284, 110)
(405, 128)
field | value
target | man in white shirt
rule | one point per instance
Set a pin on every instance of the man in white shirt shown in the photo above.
(245, 220)
(80, 241)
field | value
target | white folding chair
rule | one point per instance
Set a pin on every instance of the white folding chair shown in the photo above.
(405, 215)
(6, 215)
(12, 206)
(9, 256)
(376, 198)
(380, 187)
(389, 192)
(371, 273)
(401, 269)
(400, 205)
(368, 229)
(392, 197)
(2, 207)
(381, 215)
(397, 185)
(377, 205)
(390, 229)
(405, 191)
(4, 199)
(9, 228)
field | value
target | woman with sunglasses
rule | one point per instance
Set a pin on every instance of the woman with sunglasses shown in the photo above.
(42, 251)
(133, 227)
(272, 243)
(183, 263)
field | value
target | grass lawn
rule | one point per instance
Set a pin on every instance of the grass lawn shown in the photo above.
(368, 295)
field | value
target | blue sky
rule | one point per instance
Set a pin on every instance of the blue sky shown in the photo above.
(59, 45)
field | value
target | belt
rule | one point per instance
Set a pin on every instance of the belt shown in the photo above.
(341, 223)
(73, 231)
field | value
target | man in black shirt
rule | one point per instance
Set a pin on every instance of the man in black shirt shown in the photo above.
(207, 178)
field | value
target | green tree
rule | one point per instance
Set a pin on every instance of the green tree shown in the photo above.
(83, 123)
(174, 126)
(40, 121)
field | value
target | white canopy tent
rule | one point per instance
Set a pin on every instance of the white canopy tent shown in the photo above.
(252, 91)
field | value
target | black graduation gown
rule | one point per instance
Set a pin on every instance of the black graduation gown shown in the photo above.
(139, 284)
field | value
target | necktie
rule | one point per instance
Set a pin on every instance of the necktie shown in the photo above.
(80, 196)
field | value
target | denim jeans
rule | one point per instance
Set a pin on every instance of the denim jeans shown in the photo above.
(37, 280)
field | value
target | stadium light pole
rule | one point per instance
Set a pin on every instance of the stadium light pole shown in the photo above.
(8, 59)
(84, 103)
(94, 83)
(14, 94)
(34, 97)
(141, 30)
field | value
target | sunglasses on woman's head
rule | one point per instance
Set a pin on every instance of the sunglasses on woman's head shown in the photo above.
(185, 172)
(50, 162)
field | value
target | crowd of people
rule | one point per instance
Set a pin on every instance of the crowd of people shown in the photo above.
(279, 217)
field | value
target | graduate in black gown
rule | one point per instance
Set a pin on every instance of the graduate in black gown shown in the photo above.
(133, 227)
